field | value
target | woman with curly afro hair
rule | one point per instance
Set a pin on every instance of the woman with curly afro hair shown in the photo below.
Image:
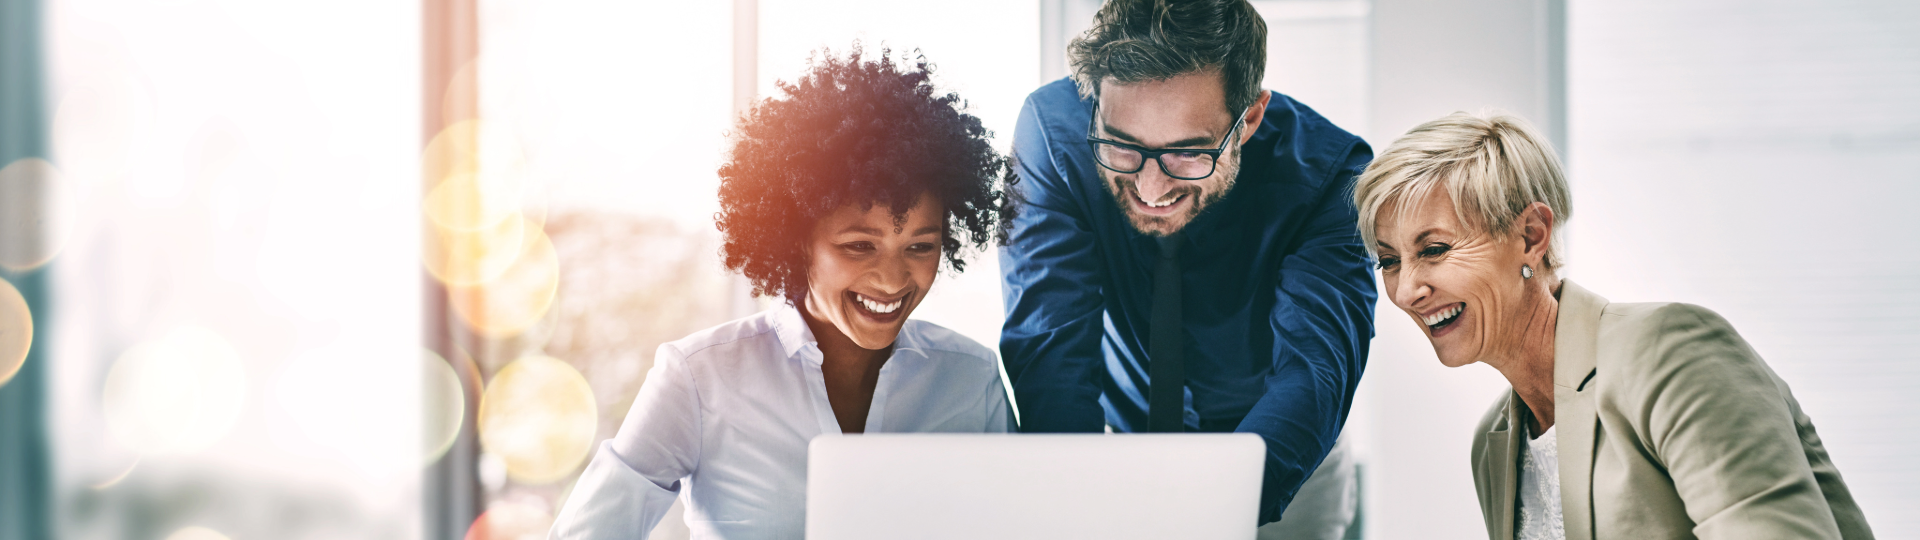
(843, 197)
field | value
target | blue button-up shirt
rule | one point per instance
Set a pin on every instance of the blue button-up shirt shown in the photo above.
(1277, 293)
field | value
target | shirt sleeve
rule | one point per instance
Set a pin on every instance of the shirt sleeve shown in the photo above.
(1322, 324)
(1051, 339)
(634, 477)
(1726, 433)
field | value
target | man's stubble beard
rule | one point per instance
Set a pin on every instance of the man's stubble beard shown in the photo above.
(1123, 189)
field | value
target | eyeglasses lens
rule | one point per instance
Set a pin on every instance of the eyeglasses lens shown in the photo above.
(1118, 158)
(1187, 164)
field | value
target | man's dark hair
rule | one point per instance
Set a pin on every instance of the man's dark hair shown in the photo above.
(1151, 40)
(853, 131)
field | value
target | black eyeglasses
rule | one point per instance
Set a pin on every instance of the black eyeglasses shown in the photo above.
(1179, 163)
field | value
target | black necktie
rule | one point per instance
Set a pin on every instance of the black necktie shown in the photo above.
(1166, 368)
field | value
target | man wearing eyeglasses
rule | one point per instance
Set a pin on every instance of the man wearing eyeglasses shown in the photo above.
(1184, 258)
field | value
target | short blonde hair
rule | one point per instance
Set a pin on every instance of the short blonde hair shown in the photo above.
(1493, 164)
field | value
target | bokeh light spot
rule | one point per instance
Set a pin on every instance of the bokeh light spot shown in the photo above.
(539, 416)
(32, 214)
(174, 395)
(116, 479)
(510, 520)
(471, 201)
(16, 331)
(465, 258)
(506, 305)
(482, 205)
(492, 471)
(445, 406)
(453, 150)
(479, 174)
(196, 533)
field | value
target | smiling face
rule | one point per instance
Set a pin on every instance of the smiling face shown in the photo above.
(867, 273)
(1185, 111)
(1459, 283)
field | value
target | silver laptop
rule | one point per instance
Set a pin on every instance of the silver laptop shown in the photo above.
(937, 486)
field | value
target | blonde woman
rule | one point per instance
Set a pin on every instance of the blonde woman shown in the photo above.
(1641, 421)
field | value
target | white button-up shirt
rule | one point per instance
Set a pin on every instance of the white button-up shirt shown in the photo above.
(728, 412)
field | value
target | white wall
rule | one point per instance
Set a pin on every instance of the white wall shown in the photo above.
(1760, 159)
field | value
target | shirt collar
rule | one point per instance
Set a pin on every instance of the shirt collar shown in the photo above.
(1208, 229)
(796, 339)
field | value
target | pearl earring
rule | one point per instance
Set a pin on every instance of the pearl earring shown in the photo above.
(1526, 272)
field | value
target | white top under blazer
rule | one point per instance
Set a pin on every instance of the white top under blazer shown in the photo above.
(725, 415)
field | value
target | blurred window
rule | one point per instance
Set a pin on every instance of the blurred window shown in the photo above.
(236, 342)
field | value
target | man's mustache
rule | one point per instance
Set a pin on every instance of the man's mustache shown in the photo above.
(1127, 188)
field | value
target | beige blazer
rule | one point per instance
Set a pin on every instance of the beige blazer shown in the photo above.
(1670, 426)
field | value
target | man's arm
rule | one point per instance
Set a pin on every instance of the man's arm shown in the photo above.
(1051, 340)
(1322, 323)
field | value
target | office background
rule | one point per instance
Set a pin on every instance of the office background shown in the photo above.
(274, 244)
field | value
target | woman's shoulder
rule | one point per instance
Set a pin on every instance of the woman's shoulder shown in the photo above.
(1658, 315)
(756, 330)
(1650, 331)
(946, 343)
(1671, 346)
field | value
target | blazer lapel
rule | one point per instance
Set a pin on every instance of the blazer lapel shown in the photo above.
(1503, 451)
(1576, 337)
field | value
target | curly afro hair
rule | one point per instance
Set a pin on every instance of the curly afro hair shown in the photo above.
(853, 131)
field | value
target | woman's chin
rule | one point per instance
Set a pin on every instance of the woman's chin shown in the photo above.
(875, 337)
(1450, 358)
(875, 331)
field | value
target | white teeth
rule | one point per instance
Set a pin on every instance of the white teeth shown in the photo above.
(1160, 205)
(1443, 314)
(877, 307)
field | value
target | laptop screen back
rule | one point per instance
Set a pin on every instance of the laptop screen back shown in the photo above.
(936, 486)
